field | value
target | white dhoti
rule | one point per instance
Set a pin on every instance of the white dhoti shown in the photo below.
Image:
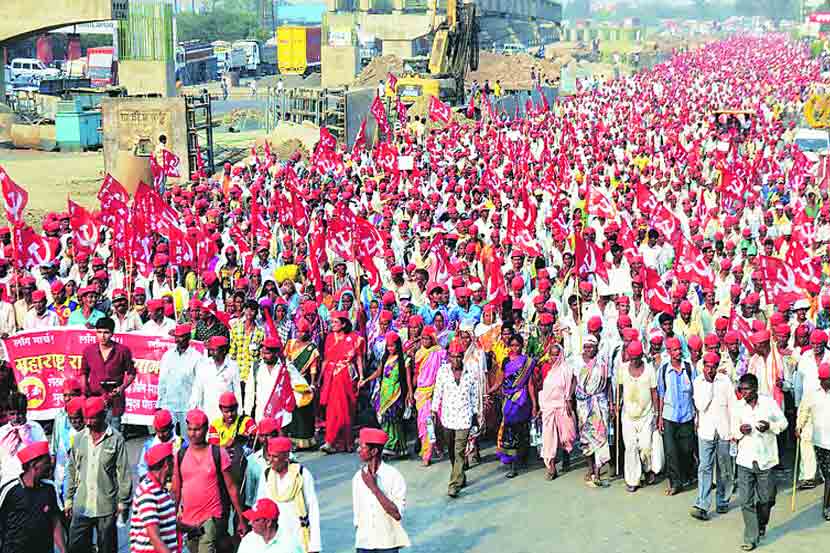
(643, 448)
(807, 466)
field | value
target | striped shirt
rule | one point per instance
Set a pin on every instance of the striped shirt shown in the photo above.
(152, 505)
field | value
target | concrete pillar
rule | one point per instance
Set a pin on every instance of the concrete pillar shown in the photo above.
(148, 77)
(338, 65)
(401, 48)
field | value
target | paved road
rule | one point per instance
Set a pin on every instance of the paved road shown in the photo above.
(531, 515)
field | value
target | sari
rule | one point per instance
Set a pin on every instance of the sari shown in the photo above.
(558, 424)
(338, 395)
(592, 408)
(427, 362)
(389, 405)
(304, 357)
(514, 433)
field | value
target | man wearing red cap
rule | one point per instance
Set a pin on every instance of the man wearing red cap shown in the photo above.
(30, 519)
(205, 488)
(806, 378)
(39, 317)
(291, 486)
(164, 432)
(256, 462)
(768, 366)
(246, 339)
(638, 391)
(455, 405)
(126, 319)
(814, 417)
(158, 324)
(215, 375)
(87, 315)
(266, 536)
(378, 498)
(714, 401)
(153, 522)
(675, 416)
(99, 482)
(177, 373)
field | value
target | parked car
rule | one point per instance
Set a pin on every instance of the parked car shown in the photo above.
(32, 67)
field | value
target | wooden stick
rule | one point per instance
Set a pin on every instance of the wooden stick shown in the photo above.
(795, 474)
(617, 436)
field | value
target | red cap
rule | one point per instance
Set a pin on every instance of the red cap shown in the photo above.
(197, 417)
(594, 323)
(94, 406)
(711, 340)
(373, 436)
(75, 406)
(280, 444)
(673, 343)
(38, 295)
(634, 349)
(686, 307)
(272, 342)
(695, 342)
(264, 509)
(209, 277)
(391, 338)
(182, 330)
(824, 371)
(227, 399)
(56, 287)
(711, 358)
(731, 337)
(722, 323)
(216, 342)
(33, 451)
(162, 419)
(517, 283)
(154, 305)
(545, 319)
(268, 425)
(818, 337)
(71, 384)
(158, 453)
(760, 337)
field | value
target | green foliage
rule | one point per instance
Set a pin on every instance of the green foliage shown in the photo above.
(220, 24)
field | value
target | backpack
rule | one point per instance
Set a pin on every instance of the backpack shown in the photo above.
(224, 496)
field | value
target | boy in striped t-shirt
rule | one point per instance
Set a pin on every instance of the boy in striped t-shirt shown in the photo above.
(153, 524)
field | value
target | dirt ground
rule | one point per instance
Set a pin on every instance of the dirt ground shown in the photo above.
(52, 177)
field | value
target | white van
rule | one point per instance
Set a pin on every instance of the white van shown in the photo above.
(814, 143)
(32, 67)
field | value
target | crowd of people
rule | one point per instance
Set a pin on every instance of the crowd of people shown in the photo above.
(630, 273)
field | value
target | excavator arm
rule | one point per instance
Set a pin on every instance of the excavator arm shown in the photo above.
(455, 46)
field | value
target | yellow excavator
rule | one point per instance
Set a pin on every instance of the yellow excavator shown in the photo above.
(454, 49)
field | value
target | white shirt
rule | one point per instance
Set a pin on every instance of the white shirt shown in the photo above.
(714, 402)
(261, 390)
(130, 323)
(8, 323)
(282, 542)
(758, 447)
(33, 321)
(816, 404)
(374, 529)
(10, 466)
(159, 329)
(211, 382)
(458, 401)
(177, 373)
(289, 521)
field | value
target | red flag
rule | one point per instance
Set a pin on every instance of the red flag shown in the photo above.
(316, 256)
(15, 199)
(588, 258)
(171, 164)
(521, 236)
(743, 329)
(806, 275)
(360, 139)
(259, 226)
(647, 201)
(329, 163)
(692, 266)
(386, 156)
(439, 111)
(157, 213)
(780, 280)
(33, 249)
(85, 232)
(327, 140)
(340, 239)
(401, 109)
(111, 190)
(378, 111)
(494, 278)
(281, 401)
(369, 241)
(601, 205)
(656, 295)
(393, 82)
(140, 242)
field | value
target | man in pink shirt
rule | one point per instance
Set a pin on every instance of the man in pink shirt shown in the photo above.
(205, 489)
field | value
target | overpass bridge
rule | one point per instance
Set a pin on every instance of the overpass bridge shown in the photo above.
(22, 19)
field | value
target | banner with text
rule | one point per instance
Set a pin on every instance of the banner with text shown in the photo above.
(41, 359)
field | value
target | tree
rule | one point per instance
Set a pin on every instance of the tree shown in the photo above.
(217, 25)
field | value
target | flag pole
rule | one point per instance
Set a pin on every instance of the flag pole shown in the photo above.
(795, 474)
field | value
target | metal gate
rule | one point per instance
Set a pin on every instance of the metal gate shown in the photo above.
(199, 117)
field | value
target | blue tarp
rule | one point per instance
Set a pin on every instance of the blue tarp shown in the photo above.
(307, 14)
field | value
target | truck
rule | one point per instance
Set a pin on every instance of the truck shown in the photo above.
(228, 58)
(298, 49)
(252, 57)
(195, 63)
(815, 143)
(101, 66)
(268, 57)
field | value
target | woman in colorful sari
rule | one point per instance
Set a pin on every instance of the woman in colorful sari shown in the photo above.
(428, 359)
(376, 339)
(443, 335)
(475, 360)
(514, 434)
(389, 403)
(556, 405)
(302, 353)
(342, 362)
(349, 306)
(591, 393)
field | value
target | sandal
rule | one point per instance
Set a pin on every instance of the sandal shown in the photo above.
(748, 546)
(551, 475)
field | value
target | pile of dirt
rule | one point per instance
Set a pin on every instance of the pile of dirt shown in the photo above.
(378, 69)
(287, 149)
(420, 108)
(513, 71)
